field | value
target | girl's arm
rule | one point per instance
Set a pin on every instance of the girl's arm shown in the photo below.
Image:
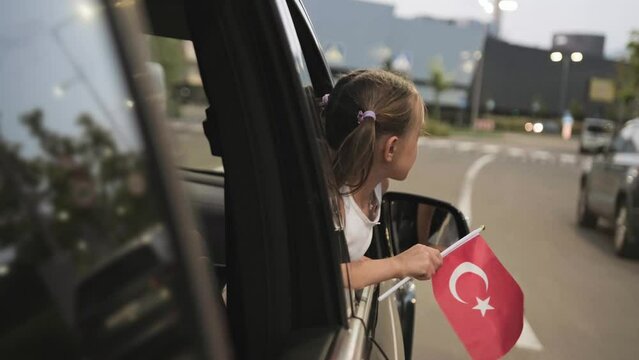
(419, 262)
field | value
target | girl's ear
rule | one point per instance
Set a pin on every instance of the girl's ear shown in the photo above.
(390, 147)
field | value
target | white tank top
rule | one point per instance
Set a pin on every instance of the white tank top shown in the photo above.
(358, 228)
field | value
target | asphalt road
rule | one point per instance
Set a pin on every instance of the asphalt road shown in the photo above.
(580, 299)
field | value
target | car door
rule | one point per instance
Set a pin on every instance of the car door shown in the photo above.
(382, 321)
(601, 183)
(611, 173)
(98, 259)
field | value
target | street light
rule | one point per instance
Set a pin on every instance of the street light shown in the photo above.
(557, 56)
(576, 56)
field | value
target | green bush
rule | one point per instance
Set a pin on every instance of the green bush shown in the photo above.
(436, 127)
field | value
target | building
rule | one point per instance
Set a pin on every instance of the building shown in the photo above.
(357, 34)
(520, 80)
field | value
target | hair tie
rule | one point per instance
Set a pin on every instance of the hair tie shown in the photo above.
(324, 101)
(361, 116)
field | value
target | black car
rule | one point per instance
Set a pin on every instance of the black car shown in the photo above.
(127, 230)
(610, 189)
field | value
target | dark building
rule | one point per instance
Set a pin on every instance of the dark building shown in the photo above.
(589, 45)
(519, 80)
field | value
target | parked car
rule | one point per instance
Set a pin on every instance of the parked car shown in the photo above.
(133, 235)
(610, 189)
(596, 135)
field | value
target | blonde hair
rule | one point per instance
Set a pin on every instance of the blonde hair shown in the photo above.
(352, 144)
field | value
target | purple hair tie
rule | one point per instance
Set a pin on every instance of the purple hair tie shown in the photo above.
(361, 116)
(324, 101)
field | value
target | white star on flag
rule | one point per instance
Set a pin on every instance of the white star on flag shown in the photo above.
(483, 306)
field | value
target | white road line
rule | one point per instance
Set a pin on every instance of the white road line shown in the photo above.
(516, 152)
(527, 339)
(567, 159)
(435, 143)
(490, 148)
(541, 155)
(465, 146)
(467, 186)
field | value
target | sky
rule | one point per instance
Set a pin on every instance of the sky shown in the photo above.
(534, 22)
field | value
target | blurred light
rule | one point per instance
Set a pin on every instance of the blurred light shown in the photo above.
(576, 56)
(488, 6)
(129, 103)
(528, 127)
(631, 175)
(58, 91)
(508, 5)
(82, 245)
(401, 64)
(121, 210)
(477, 55)
(86, 11)
(107, 153)
(4, 270)
(413, 301)
(468, 66)
(334, 55)
(538, 127)
(556, 56)
(381, 53)
(63, 216)
(465, 55)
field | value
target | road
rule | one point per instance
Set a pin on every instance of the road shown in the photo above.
(580, 299)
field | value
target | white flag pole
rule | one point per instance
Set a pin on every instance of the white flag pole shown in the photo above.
(446, 251)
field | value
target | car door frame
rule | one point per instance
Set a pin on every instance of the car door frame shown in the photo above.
(201, 305)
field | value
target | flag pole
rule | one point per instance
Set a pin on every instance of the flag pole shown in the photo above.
(471, 235)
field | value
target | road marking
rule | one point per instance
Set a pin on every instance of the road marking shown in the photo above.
(541, 155)
(567, 158)
(490, 148)
(467, 186)
(465, 146)
(516, 152)
(527, 339)
(435, 143)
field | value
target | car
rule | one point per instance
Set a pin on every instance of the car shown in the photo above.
(610, 189)
(129, 232)
(596, 134)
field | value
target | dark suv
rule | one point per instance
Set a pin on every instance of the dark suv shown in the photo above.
(610, 189)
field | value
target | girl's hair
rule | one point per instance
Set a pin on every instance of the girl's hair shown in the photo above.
(352, 143)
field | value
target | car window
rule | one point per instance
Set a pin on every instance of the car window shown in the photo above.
(626, 141)
(85, 262)
(183, 100)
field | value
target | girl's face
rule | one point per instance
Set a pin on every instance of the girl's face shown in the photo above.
(405, 151)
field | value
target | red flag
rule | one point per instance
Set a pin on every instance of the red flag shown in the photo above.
(482, 302)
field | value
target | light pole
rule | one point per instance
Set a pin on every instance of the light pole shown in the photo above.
(557, 56)
(495, 8)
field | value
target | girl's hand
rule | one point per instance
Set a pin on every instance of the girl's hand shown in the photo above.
(419, 262)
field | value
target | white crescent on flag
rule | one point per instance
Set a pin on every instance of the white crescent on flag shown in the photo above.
(463, 268)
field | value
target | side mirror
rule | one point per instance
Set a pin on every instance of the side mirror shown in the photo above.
(410, 219)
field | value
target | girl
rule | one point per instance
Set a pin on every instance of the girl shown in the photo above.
(372, 120)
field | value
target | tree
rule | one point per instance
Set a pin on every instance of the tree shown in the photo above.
(628, 80)
(440, 83)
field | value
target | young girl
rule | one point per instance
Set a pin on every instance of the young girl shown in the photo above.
(373, 119)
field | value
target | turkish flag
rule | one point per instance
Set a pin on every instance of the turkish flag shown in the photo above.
(482, 302)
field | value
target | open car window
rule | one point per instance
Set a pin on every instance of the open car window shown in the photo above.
(181, 96)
